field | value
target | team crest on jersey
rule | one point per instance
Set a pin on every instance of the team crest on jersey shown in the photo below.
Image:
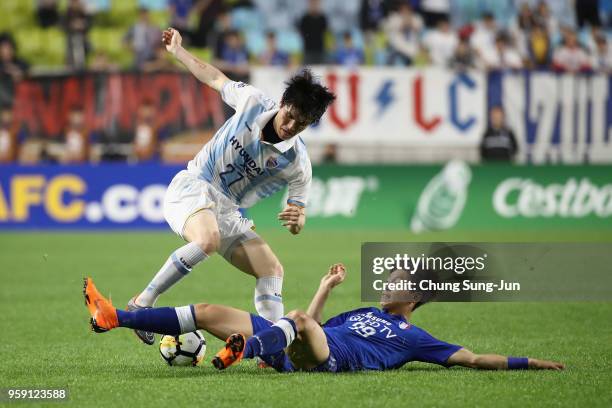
(271, 163)
(404, 325)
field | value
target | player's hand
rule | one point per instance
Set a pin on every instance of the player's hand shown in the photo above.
(172, 40)
(293, 218)
(545, 365)
(334, 277)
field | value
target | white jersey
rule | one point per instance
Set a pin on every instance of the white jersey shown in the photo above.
(238, 163)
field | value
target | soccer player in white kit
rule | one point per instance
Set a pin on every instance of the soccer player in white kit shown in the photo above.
(253, 155)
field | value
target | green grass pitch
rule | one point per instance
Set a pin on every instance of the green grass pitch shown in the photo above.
(46, 340)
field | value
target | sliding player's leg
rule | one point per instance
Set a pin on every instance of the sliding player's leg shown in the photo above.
(255, 257)
(305, 339)
(220, 321)
(310, 348)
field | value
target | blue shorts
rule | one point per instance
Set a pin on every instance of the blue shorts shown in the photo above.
(280, 361)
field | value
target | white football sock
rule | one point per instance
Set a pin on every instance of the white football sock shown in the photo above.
(268, 297)
(186, 318)
(288, 327)
(179, 264)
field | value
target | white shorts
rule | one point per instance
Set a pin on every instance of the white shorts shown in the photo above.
(188, 194)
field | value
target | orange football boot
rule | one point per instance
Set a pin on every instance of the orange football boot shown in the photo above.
(231, 353)
(103, 313)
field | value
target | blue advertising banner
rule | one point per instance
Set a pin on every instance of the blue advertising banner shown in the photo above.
(74, 197)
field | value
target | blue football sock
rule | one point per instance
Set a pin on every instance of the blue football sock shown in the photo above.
(252, 347)
(162, 320)
(279, 361)
(271, 340)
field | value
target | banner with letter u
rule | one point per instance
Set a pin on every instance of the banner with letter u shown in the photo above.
(423, 107)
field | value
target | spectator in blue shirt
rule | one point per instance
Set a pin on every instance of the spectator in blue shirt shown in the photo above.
(348, 54)
(179, 13)
(272, 55)
(233, 56)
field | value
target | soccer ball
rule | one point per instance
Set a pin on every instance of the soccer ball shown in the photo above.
(186, 349)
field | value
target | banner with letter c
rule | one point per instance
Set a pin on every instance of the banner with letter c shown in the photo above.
(392, 105)
(77, 197)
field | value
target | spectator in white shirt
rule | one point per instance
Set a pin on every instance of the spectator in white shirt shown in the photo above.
(403, 28)
(602, 55)
(441, 43)
(521, 26)
(502, 56)
(485, 32)
(570, 56)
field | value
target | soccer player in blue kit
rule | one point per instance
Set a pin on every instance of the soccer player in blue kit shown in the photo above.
(361, 339)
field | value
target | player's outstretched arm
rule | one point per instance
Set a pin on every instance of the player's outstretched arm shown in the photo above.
(466, 358)
(333, 278)
(205, 72)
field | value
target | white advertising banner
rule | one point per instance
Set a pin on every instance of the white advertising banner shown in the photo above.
(394, 106)
(557, 118)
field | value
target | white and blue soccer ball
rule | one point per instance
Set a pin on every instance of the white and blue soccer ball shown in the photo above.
(186, 349)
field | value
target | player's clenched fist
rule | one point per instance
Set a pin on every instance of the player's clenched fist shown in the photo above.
(335, 276)
(172, 39)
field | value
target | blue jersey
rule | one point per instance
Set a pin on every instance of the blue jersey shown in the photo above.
(371, 339)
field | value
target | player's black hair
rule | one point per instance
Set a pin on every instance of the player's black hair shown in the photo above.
(307, 96)
(426, 296)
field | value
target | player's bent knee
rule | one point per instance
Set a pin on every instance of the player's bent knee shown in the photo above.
(209, 242)
(301, 319)
(294, 314)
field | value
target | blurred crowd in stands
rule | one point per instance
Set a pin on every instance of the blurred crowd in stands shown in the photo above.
(561, 35)
(565, 35)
